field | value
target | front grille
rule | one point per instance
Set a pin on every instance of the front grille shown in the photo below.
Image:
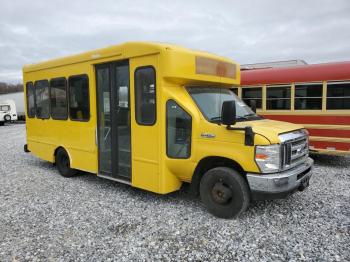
(294, 149)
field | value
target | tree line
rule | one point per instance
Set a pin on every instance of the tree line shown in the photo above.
(6, 88)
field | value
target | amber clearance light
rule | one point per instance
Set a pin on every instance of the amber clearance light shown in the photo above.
(209, 66)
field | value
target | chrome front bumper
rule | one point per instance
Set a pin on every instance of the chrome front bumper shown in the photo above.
(279, 185)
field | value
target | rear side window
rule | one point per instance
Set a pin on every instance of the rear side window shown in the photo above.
(338, 95)
(252, 94)
(58, 98)
(308, 96)
(179, 128)
(42, 100)
(145, 95)
(30, 100)
(79, 104)
(278, 98)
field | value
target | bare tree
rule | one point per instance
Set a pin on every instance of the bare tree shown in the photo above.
(6, 88)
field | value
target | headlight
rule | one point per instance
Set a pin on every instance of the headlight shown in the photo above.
(268, 158)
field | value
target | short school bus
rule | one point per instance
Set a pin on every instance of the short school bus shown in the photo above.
(155, 116)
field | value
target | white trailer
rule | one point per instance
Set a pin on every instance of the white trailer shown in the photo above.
(18, 97)
(8, 112)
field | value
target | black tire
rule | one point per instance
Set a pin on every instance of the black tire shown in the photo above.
(63, 164)
(224, 192)
(2, 123)
(7, 118)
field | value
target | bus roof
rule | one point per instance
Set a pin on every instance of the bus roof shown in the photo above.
(302, 73)
(176, 58)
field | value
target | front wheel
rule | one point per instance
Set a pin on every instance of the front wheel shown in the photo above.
(224, 192)
(63, 164)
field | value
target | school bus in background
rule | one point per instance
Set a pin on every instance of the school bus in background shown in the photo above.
(316, 96)
(157, 115)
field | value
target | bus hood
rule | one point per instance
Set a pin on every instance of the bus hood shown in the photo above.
(270, 129)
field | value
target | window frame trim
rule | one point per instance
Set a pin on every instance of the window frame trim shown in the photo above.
(166, 130)
(247, 87)
(69, 92)
(67, 105)
(253, 98)
(335, 82)
(315, 83)
(271, 86)
(155, 94)
(48, 86)
(27, 106)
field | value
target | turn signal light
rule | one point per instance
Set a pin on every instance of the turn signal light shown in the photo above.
(261, 156)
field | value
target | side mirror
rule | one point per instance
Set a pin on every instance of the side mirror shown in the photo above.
(228, 113)
(253, 105)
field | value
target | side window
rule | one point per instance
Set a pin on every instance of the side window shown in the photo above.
(308, 96)
(179, 128)
(58, 98)
(252, 94)
(5, 108)
(278, 98)
(79, 104)
(145, 95)
(338, 95)
(30, 100)
(42, 99)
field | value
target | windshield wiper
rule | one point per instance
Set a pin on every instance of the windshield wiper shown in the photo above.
(241, 117)
(251, 114)
(215, 118)
(218, 118)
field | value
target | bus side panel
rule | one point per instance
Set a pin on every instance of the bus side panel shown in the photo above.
(44, 136)
(145, 140)
(42, 150)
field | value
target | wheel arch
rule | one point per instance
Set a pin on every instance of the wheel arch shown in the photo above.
(208, 163)
(55, 153)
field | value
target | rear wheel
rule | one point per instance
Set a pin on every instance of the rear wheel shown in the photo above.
(224, 192)
(63, 164)
(7, 118)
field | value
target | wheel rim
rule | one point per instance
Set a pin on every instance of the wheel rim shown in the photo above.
(221, 193)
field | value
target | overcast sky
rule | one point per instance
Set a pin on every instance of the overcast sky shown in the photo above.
(247, 31)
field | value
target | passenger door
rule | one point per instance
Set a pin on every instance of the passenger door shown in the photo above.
(145, 122)
(114, 127)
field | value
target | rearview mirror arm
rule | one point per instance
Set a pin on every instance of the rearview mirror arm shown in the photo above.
(248, 134)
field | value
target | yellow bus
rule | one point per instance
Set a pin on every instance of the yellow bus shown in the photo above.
(157, 115)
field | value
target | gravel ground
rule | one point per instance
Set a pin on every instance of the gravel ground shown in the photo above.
(45, 217)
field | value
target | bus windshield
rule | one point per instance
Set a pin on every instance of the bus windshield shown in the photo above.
(210, 100)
